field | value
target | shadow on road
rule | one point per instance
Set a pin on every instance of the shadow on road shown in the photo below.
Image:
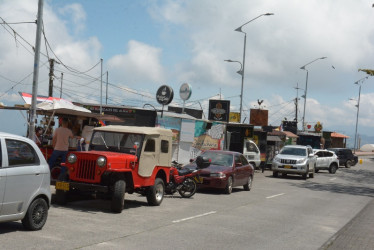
(90, 204)
(357, 182)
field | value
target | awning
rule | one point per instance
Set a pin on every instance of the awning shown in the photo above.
(273, 138)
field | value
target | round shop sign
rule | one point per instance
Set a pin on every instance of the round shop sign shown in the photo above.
(164, 95)
(185, 91)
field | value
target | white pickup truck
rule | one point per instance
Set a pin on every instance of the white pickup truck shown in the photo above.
(252, 153)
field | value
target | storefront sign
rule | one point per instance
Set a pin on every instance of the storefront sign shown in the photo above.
(219, 110)
(164, 95)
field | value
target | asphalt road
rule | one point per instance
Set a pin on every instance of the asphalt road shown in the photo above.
(278, 213)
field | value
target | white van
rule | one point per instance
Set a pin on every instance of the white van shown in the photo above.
(24, 182)
(252, 153)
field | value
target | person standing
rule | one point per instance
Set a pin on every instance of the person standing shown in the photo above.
(60, 142)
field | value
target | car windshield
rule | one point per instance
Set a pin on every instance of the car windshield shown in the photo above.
(116, 142)
(219, 159)
(293, 151)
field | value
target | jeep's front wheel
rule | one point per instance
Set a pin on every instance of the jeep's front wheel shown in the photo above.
(118, 198)
(155, 193)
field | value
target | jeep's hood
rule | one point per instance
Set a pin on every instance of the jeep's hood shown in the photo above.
(291, 157)
(109, 155)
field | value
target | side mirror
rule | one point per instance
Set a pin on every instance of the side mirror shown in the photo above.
(202, 162)
(276, 152)
(238, 164)
(311, 155)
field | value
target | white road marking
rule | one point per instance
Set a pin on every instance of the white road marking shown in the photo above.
(332, 179)
(194, 217)
(269, 197)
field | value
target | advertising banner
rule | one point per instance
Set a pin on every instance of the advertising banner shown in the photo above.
(219, 110)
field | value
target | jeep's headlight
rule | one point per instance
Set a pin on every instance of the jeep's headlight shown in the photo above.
(300, 161)
(276, 159)
(72, 158)
(101, 161)
(219, 175)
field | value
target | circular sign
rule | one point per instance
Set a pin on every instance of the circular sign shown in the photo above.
(164, 95)
(185, 91)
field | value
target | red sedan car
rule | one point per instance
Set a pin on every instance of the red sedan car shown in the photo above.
(227, 169)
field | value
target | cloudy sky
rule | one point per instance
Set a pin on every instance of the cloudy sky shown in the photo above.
(148, 43)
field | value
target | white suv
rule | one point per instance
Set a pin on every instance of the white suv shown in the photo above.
(24, 182)
(295, 159)
(326, 160)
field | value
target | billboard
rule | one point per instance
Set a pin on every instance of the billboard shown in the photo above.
(219, 110)
(234, 117)
(259, 117)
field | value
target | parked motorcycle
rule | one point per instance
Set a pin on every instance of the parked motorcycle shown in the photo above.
(184, 180)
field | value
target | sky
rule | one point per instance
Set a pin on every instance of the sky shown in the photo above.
(148, 43)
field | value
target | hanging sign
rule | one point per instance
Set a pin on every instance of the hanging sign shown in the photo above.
(185, 91)
(164, 95)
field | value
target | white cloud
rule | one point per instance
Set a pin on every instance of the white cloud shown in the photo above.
(78, 15)
(140, 64)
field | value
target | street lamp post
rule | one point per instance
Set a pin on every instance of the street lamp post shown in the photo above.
(241, 72)
(358, 108)
(306, 87)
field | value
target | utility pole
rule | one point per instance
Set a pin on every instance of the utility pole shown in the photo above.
(36, 70)
(51, 69)
(106, 99)
(296, 105)
(101, 87)
(62, 77)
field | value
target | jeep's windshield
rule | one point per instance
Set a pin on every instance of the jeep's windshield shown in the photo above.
(116, 142)
(293, 151)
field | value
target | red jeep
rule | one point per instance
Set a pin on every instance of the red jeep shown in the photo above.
(120, 159)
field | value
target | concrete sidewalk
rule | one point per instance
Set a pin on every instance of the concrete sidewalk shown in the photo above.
(356, 234)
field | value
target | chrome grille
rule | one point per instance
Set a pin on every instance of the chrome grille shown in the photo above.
(288, 161)
(86, 169)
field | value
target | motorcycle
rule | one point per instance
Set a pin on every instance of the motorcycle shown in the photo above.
(183, 180)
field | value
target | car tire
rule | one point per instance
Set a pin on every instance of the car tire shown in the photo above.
(155, 193)
(316, 170)
(118, 198)
(228, 188)
(36, 215)
(275, 174)
(348, 164)
(248, 186)
(333, 168)
(305, 176)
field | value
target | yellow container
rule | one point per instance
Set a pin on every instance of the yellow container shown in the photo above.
(360, 161)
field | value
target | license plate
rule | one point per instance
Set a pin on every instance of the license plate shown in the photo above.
(198, 179)
(287, 166)
(62, 186)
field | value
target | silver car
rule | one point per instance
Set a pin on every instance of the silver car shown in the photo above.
(295, 159)
(24, 182)
(326, 160)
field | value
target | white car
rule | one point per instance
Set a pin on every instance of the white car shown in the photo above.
(295, 159)
(326, 160)
(24, 182)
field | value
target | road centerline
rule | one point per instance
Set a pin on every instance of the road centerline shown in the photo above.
(194, 217)
(276, 195)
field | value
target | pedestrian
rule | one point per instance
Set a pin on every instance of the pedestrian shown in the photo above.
(60, 142)
(38, 136)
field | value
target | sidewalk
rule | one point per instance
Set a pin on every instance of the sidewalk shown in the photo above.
(356, 234)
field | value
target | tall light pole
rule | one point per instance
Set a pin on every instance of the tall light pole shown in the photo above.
(242, 70)
(306, 86)
(358, 107)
